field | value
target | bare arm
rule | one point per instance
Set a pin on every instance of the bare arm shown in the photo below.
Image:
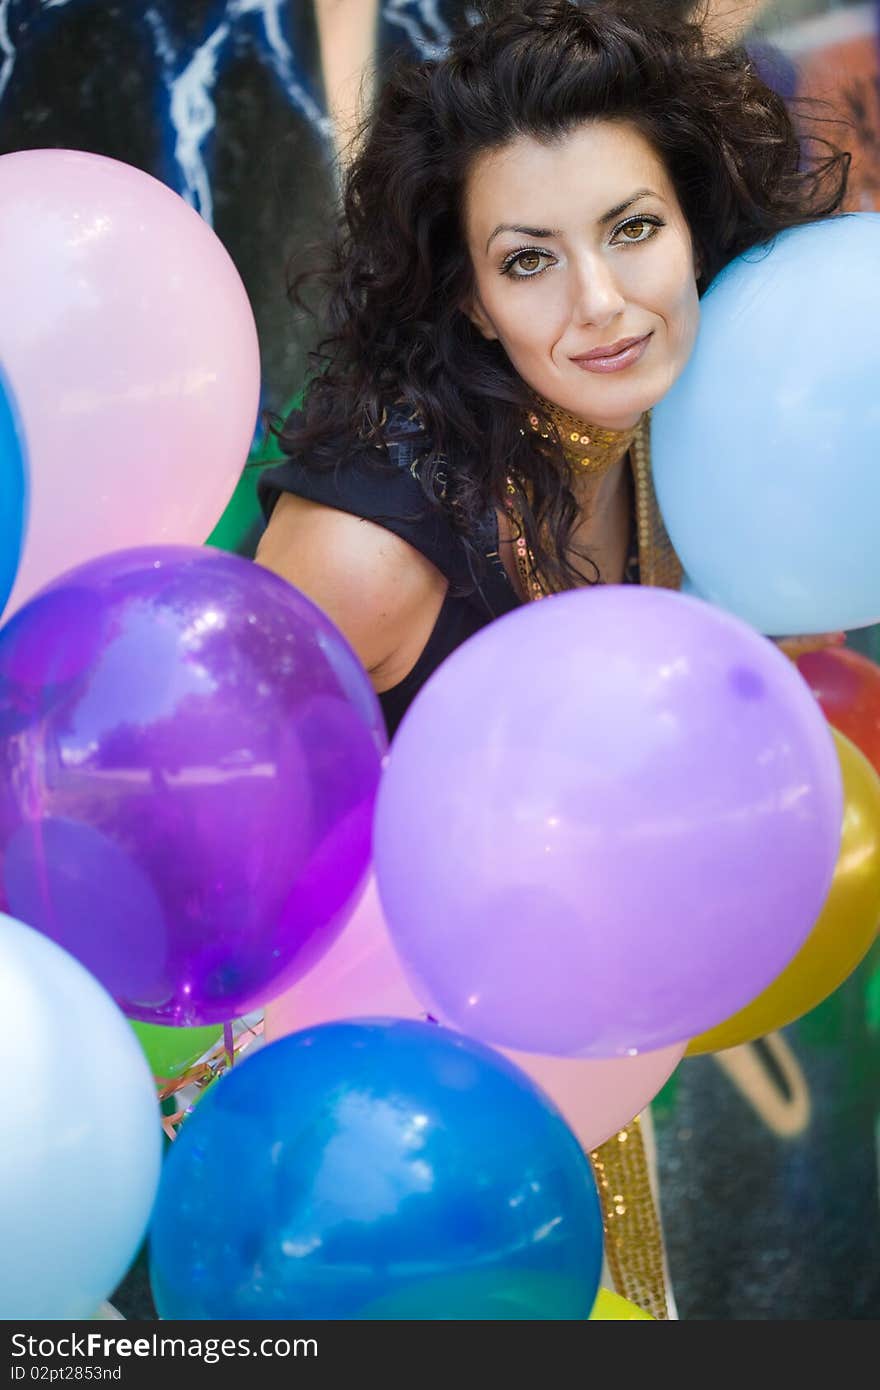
(381, 593)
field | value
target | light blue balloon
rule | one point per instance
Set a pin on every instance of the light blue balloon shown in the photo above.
(687, 586)
(82, 1138)
(377, 1169)
(767, 449)
(12, 492)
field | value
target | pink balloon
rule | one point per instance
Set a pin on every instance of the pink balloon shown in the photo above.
(360, 977)
(130, 344)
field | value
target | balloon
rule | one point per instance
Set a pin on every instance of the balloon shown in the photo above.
(82, 1142)
(12, 491)
(847, 924)
(361, 976)
(847, 686)
(619, 850)
(380, 1170)
(610, 1307)
(764, 450)
(132, 350)
(189, 753)
(169, 1051)
(599, 1096)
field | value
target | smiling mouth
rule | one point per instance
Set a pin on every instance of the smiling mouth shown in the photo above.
(614, 357)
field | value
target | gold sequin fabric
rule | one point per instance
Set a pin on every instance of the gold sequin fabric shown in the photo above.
(659, 566)
(588, 448)
(633, 1239)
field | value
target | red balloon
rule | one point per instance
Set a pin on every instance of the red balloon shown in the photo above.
(847, 686)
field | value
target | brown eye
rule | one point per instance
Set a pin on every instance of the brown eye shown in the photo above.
(527, 263)
(635, 231)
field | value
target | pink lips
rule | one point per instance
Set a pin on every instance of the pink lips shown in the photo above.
(613, 357)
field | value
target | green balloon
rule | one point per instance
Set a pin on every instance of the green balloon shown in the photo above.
(170, 1051)
(235, 528)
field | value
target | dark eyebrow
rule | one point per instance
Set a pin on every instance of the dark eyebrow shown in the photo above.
(537, 232)
(543, 232)
(622, 207)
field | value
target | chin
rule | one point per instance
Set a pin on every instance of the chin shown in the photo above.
(619, 404)
(620, 417)
(626, 413)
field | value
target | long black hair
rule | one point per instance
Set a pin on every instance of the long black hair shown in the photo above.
(399, 269)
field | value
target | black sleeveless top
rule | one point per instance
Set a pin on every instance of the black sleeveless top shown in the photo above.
(393, 497)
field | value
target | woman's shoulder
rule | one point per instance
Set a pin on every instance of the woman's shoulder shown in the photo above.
(376, 477)
(373, 585)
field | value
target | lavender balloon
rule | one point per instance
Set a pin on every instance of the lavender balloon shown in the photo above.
(189, 755)
(607, 822)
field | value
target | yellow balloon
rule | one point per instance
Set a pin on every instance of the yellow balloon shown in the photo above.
(845, 929)
(610, 1307)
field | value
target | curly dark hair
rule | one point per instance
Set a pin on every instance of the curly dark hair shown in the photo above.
(400, 270)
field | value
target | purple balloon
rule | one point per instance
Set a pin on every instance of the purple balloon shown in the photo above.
(607, 822)
(189, 757)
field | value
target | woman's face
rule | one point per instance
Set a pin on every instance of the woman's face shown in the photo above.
(584, 269)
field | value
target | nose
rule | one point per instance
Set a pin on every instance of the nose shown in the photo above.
(597, 297)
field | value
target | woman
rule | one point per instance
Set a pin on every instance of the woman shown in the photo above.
(528, 225)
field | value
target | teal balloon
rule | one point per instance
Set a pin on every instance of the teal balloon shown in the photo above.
(766, 450)
(12, 492)
(82, 1138)
(377, 1169)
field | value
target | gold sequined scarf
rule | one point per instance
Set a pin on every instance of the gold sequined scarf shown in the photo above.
(593, 450)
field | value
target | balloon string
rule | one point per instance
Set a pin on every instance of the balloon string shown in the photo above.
(633, 1239)
(221, 1057)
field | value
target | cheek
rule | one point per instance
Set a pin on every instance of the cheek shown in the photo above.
(672, 293)
(533, 317)
(694, 324)
(687, 318)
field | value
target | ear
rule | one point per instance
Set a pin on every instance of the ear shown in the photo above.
(474, 310)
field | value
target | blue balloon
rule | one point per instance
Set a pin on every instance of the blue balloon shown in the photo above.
(82, 1138)
(766, 450)
(12, 492)
(376, 1169)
